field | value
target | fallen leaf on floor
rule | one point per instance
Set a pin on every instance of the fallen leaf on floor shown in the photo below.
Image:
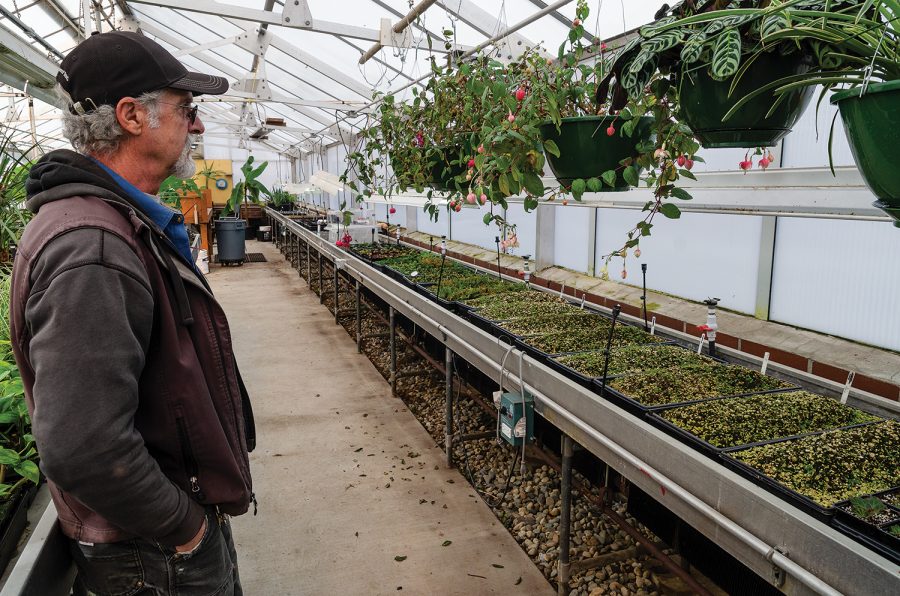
(447, 543)
(473, 575)
(357, 450)
(518, 581)
(497, 565)
(399, 558)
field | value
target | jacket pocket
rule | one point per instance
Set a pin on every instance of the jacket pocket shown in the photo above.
(191, 469)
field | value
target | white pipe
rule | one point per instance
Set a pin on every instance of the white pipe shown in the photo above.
(402, 24)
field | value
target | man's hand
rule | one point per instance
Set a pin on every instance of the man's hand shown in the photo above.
(194, 542)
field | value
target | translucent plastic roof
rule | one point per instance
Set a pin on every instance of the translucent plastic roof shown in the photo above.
(309, 77)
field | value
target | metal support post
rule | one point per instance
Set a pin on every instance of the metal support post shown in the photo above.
(358, 319)
(308, 265)
(448, 417)
(336, 304)
(321, 287)
(565, 517)
(393, 343)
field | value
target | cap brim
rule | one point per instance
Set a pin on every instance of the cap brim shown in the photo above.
(200, 84)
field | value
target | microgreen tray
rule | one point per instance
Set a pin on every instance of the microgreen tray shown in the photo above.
(875, 536)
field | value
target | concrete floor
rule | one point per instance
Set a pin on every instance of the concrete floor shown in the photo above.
(347, 480)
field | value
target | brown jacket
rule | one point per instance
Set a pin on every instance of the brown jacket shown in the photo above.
(138, 410)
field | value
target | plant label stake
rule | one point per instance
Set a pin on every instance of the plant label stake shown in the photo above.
(644, 295)
(846, 393)
(612, 328)
(653, 326)
(765, 363)
(582, 301)
(700, 345)
(443, 258)
(562, 289)
(526, 270)
(497, 241)
(398, 234)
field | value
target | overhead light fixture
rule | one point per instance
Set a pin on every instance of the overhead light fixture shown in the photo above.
(260, 133)
(328, 182)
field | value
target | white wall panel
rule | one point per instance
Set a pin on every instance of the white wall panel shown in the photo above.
(698, 256)
(468, 226)
(437, 229)
(804, 148)
(570, 242)
(838, 277)
(526, 228)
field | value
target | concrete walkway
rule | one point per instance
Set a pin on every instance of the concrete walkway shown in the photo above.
(354, 497)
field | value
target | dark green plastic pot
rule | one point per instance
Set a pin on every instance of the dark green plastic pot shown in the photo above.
(872, 122)
(586, 151)
(704, 101)
(443, 172)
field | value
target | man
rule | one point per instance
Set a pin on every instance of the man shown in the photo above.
(139, 414)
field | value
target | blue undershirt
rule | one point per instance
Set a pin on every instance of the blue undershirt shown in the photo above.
(170, 221)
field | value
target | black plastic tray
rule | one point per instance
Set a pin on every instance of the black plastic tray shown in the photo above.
(872, 536)
(14, 525)
(636, 406)
(708, 448)
(824, 514)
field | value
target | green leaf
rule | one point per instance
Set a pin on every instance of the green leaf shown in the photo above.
(487, 218)
(533, 184)
(670, 210)
(680, 193)
(609, 177)
(687, 173)
(631, 176)
(28, 469)
(348, 218)
(503, 183)
(578, 186)
(772, 24)
(663, 42)
(8, 457)
(551, 148)
(594, 184)
(726, 55)
(692, 48)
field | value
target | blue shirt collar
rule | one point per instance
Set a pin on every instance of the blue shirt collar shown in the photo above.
(159, 213)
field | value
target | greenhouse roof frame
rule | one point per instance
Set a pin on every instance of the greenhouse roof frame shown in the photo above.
(296, 61)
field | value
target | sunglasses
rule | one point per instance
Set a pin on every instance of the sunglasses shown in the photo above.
(190, 110)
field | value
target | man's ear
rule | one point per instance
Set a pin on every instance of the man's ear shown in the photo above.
(132, 117)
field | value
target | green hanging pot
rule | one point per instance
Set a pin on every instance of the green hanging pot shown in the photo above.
(586, 151)
(872, 122)
(443, 171)
(704, 101)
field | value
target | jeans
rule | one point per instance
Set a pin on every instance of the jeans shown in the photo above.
(144, 568)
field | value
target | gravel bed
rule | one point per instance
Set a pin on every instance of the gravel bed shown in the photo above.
(530, 508)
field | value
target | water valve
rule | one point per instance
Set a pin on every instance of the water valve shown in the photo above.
(711, 326)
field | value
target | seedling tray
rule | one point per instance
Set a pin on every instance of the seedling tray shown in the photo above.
(875, 537)
(366, 260)
(804, 503)
(635, 406)
(426, 290)
(711, 450)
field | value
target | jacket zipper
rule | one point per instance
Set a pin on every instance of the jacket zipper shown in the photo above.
(190, 464)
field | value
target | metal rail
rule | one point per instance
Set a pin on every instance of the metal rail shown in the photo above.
(765, 533)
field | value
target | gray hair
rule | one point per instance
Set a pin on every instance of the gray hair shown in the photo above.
(98, 132)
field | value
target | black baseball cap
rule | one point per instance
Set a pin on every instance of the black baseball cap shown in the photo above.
(106, 67)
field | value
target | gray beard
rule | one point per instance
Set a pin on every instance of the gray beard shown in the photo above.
(185, 166)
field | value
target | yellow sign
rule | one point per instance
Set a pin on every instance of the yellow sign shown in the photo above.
(209, 174)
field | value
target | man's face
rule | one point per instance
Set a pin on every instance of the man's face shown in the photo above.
(172, 140)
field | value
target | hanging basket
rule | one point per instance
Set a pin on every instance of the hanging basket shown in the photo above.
(872, 122)
(444, 171)
(704, 101)
(586, 151)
